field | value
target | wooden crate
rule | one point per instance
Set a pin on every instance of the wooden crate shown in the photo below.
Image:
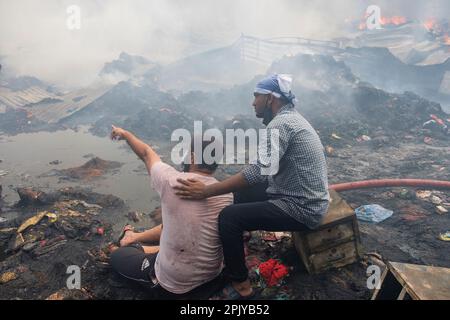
(335, 243)
(401, 281)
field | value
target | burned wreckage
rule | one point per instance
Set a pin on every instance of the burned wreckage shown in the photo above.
(387, 133)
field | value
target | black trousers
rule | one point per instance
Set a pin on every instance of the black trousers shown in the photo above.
(138, 267)
(251, 211)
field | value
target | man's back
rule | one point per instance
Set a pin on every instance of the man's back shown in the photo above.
(190, 249)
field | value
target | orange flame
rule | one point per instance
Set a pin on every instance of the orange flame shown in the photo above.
(429, 24)
(398, 20)
(447, 40)
(394, 20)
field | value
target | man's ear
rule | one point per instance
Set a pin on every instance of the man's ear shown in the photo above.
(269, 101)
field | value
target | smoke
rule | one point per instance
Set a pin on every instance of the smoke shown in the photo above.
(35, 39)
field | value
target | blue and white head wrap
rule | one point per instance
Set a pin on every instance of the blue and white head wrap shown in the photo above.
(278, 85)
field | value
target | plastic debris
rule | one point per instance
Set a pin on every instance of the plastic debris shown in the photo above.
(428, 140)
(436, 200)
(373, 213)
(273, 272)
(3, 219)
(275, 236)
(445, 236)
(406, 194)
(269, 236)
(423, 194)
(441, 210)
(335, 136)
(329, 150)
(89, 205)
(52, 217)
(7, 277)
(31, 221)
(100, 231)
(363, 138)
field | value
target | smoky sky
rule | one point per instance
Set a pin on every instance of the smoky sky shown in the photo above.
(35, 40)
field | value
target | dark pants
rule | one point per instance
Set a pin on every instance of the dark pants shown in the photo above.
(251, 211)
(132, 263)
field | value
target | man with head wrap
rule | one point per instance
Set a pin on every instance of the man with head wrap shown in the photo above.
(292, 198)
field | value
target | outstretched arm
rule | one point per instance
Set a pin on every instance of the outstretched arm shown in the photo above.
(142, 150)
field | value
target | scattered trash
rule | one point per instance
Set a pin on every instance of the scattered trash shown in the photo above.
(428, 140)
(52, 217)
(31, 196)
(49, 246)
(3, 173)
(406, 194)
(329, 150)
(30, 246)
(435, 124)
(3, 219)
(275, 236)
(423, 194)
(335, 136)
(445, 236)
(252, 262)
(412, 212)
(283, 296)
(441, 210)
(55, 162)
(269, 236)
(373, 213)
(134, 216)
(70, 294)
(436, 200)
(100, 231)
(273, 272)
(7, 277)
(89, 205)
(363, 138)
(31, 221)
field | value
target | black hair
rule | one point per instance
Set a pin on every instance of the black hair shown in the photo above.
(203, 165)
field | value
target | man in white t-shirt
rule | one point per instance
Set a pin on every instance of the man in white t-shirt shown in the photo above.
(190, 252)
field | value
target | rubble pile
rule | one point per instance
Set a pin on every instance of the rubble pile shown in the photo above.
(46, 239)
(93, 168)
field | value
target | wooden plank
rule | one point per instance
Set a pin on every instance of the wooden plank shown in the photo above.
(402, 294)
(423, 282)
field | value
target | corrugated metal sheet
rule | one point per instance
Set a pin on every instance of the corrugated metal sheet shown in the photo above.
(73, 102)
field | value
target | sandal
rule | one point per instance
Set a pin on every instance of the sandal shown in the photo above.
(230, 293)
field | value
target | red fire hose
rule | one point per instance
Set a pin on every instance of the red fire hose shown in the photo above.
(382, 183)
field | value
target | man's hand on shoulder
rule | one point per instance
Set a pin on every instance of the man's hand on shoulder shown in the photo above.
(191, 189)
